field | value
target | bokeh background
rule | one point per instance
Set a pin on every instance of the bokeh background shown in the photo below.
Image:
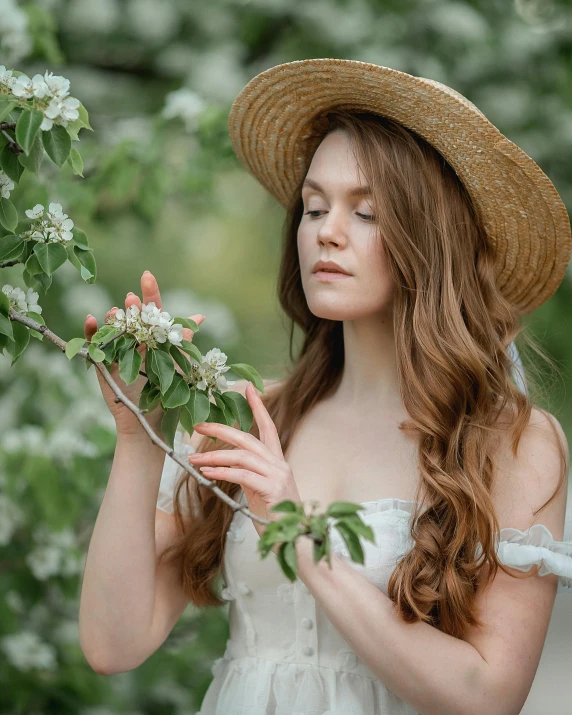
(163, 191)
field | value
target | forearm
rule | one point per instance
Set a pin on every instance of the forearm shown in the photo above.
(433, 672)
(118, 587)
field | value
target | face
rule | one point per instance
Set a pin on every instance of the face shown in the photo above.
(337, 226)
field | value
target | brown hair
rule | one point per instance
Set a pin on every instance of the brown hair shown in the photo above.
(452, 330)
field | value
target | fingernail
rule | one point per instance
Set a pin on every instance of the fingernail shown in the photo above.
(89, 315)
(130, 293)
(144, 272)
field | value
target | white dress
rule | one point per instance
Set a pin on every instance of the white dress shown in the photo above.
(283, 656)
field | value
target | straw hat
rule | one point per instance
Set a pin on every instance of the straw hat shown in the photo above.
(274, 128)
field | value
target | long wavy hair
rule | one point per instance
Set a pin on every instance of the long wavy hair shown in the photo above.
(452, 329)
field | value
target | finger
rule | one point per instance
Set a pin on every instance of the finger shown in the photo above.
(247, 479)
(266, 427)
(232, 458)
(150, 290)
(132, 299)
(243, 440)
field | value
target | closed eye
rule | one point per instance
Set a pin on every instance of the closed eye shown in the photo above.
(366, 217)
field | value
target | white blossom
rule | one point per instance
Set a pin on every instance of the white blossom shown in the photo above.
(26, 650)
(52, 91)
(184, 104)
(20, 301)
(53, 227)
(150, 325)
(6, 185)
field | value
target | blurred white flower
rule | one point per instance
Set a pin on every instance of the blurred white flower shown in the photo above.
(54, 554)
(15, 601)
(184, 104)
(102, 16)
(15, 40)
(153, 21)
(11, 517)
(26, 650)
(44, 561)
(6, 185)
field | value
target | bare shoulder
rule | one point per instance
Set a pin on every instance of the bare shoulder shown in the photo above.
(525, 482)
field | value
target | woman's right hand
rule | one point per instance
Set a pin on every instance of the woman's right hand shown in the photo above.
(127, 423)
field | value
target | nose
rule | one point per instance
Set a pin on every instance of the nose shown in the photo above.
(332, 230)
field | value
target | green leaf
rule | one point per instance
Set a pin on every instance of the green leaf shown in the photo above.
(169, 425)
(227, 413)
(198, 406)
(8, 215)
(21, 340)
(57, 144)
(359, 527)
(73, 346)
(4, 304)
(238, 404)
(164, 368)
(85, 257)
(181, 360)
(6, 106)
(76, 162)
(33, 161)
(80, 239)
(95, 353)
(6, 326)
(249, 373)
(10, 164)
(288, 560)
(187, 323)
(33, 265)
(104, 333)
(149, 371)
(177, 394)
(288, 506)
(352, 542)
(129, 364)
(191, 350)
(343, 508)
(50, 256)
(11, 247)
(27, 128)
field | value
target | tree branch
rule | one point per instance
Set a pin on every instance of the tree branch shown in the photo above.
(203, 481)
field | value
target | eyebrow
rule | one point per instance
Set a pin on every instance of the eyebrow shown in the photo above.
(356, 191)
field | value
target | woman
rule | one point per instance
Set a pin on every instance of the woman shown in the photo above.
(401, 399)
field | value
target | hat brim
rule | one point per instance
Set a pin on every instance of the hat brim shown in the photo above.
(272, 133)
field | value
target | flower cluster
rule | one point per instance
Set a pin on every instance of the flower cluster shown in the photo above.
(20, 301)
(6, 185)
(53, 227)
(50, 92)
(150, 325)
(209, 375)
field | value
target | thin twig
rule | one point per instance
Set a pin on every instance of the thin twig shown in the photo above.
(83, 352)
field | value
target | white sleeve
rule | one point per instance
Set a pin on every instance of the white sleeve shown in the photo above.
(169, 477)
(521, 550)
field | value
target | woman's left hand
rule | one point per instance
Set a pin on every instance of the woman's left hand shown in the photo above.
(258, 465)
